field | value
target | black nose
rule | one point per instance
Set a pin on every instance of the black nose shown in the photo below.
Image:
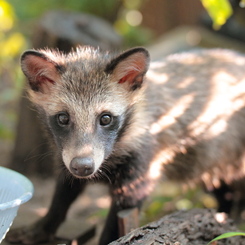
(82, 166)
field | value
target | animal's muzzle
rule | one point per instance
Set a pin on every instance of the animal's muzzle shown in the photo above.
(82, 167)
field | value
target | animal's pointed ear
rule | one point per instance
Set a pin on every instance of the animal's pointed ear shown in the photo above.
(41, 71)
(130, 67)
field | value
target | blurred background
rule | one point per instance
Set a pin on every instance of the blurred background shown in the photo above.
(162, 26)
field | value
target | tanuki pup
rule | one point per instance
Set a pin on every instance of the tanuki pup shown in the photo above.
(111, 121)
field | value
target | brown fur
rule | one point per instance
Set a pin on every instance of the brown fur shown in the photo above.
(192, 103)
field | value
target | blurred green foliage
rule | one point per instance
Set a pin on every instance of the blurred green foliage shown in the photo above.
(219, 11)
(114, 11)
(33, 9)
(12, 42)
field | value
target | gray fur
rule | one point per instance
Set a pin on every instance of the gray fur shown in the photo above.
(192, 103)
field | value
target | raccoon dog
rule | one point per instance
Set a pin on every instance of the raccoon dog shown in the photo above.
(112, 122)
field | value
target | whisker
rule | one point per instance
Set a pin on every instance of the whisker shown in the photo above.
(44, 155)
(29, 156)
(104, 174)
(107, 168)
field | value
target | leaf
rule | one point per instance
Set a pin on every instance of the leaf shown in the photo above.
(12, 45)
(219, 11)
(6, 16)
(227, 235)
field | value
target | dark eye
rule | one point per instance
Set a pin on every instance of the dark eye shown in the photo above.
(105, 119)
(63, 119)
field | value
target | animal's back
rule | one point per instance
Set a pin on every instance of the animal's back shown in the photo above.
(197, 102)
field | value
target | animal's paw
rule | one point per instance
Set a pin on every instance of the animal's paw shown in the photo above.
(29, 235)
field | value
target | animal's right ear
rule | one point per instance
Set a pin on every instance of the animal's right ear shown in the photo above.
(41, 71)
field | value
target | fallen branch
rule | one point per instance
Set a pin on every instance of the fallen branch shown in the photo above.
(193, 227)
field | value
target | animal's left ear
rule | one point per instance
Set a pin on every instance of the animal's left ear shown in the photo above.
(130, 67)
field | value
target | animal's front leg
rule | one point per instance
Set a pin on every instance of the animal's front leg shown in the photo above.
(128, 191)
(44, 229)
